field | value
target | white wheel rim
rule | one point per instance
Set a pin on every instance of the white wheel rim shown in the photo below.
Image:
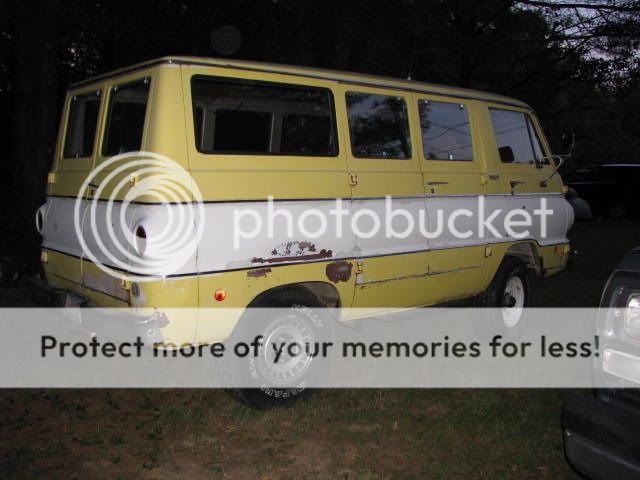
(512, 315)
(288, 329)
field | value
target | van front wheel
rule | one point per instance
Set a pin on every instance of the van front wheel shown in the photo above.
(508, 297)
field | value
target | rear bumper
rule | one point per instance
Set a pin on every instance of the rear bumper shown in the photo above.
(104, 323)
(45, 295)
(601, 437)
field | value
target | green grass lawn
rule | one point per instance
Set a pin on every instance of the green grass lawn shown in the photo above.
(336, 434)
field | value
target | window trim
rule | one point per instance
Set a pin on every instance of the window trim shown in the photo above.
(335, 143)
(542, 161)
(109, 106)
(98, 93)
(379, 94)
(472, 146)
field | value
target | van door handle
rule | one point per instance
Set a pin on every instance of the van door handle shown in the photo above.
(91, 189)
(515, 183)
(432, 186)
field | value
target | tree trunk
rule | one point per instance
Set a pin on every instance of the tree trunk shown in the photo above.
(34, 113)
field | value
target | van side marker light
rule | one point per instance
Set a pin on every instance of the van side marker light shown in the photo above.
(220, 295)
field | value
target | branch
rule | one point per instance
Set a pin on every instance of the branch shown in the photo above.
(590, 6)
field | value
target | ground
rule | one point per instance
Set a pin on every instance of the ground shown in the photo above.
(337, 434)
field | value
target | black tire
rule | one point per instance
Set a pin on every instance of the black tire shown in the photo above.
(496, 299)
(308, 312)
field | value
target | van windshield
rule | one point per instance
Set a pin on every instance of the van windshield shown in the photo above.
(250, 117)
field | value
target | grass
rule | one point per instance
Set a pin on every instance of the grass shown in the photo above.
(336, 434)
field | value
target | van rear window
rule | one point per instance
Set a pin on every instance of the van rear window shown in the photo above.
(262, 118)
(125, 123)
(81, 127)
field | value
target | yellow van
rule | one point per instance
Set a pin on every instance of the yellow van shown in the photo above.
(247, 142)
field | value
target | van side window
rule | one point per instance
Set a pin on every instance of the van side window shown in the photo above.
(378, 126)
(237, 116)
(516, 137)
(446, 132)
(81, 126)
(125, 121)
(242, 130)
(304, 133)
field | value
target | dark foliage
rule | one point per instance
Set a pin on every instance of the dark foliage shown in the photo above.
(575, 62)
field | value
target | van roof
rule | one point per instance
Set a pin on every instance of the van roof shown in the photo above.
(324, 74)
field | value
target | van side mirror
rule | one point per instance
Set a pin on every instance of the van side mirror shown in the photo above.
(568, 142)
(506, 154)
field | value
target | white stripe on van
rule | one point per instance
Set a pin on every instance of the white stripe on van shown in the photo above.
(216, 252)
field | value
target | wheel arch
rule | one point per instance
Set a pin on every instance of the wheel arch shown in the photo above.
(326, 293)
(528, 253)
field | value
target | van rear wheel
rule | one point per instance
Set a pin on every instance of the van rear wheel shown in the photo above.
(508, 298)
(298, 316)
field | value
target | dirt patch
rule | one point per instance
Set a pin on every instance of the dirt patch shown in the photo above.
(347, 434)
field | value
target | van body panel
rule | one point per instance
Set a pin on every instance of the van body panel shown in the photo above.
(398, 272)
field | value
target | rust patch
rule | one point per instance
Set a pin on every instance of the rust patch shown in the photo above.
(258, 272)
(312, 256)
(295, 250)
(339, 271)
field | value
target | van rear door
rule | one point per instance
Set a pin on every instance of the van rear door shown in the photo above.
(74, 158)
(121, 139)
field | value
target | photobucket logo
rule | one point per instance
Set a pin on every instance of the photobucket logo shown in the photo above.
(460, 218)
(139, 216)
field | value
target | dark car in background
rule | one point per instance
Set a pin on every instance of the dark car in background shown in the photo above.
(609, 189)
(602, 428)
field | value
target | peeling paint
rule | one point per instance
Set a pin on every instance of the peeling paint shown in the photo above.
(258, 272)
(339, 271)
(160, 318)
(293, 251)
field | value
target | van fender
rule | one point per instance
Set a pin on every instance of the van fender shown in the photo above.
(326, 293)
(528, 253)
